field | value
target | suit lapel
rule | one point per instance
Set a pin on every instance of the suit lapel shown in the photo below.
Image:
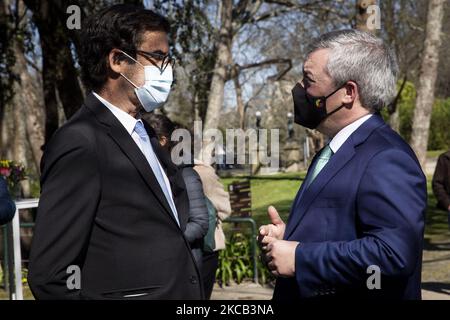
(335, 164)
(173, 174)
(121, 137)
(300, 191)
(337, 161)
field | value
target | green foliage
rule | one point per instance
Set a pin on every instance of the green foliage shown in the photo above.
(439, 137)
(235, 262)
(440, 121)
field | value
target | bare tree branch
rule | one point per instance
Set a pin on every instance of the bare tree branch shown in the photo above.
(265, 62)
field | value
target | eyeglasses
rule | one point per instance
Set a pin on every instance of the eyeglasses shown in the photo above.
(164, 59)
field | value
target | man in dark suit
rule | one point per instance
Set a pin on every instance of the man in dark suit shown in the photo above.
(356, 225)
(7, 206)
(113, 208)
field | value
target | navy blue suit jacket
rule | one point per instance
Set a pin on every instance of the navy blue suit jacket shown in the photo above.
(7, 206)
(366, 207)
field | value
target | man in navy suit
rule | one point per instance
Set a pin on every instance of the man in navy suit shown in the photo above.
(7, 207)
(356, 225)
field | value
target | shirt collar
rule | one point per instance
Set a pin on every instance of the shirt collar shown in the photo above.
(129, 122)
(342, 136)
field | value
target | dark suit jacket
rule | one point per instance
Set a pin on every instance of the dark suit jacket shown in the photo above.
(366, 207)
(441, 181)
(7, 206)
(102, 209)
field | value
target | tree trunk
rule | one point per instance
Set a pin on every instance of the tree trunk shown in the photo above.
(220, 76)
(427, 80)
(394, 120)
(58, 71)
(23, 123)
(29, 108)
(240, 102)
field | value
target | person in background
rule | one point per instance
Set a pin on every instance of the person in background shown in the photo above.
(7, 206)
(197, 225)
(441, 183)
(220, 199)
(213, 191)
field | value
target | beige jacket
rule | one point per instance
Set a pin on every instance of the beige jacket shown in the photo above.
(220, 198)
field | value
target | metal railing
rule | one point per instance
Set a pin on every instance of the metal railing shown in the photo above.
(13, 253)
(12, 249)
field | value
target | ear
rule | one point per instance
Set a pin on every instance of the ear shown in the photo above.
(351, 93)
(117, 61)
(163, 141)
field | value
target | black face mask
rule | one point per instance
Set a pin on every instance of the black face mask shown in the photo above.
(310, 111)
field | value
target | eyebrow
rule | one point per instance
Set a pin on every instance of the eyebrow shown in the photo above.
(159, 52)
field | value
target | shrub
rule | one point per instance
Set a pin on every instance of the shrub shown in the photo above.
(439, 136)
(235, 262)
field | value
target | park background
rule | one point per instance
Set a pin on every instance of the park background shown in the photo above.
(236, 64)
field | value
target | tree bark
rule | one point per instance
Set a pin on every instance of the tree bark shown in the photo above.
(220, 76)
(23, 123)
(28, 112)
(394, 120)
(427, 80)
(58, 72)
(239, 102)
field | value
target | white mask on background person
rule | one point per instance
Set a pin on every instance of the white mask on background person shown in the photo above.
(155, 91)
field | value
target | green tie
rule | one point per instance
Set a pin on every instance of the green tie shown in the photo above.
(324, 156)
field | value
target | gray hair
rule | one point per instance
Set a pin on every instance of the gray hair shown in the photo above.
(363, 58)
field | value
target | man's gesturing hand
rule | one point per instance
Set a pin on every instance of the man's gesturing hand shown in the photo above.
(280, 256)
(275, 229)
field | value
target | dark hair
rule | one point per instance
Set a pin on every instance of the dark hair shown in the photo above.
(162, 125)
(120, 26)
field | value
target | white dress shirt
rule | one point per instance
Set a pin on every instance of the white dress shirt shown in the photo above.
(342, 136)
(129, 123)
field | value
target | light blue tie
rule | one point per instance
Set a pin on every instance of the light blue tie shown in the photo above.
(322, 160)
(154, 164)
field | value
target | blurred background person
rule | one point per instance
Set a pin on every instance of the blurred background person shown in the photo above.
(220, 199)
(441, 183)
(213, 199)
(7, 206)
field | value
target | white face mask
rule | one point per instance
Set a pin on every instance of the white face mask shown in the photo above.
(155, 91)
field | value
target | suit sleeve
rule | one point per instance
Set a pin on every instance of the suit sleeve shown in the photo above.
(391, 203)
(438, 184)
(70, 191)
(198, 222)
(7, 206)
